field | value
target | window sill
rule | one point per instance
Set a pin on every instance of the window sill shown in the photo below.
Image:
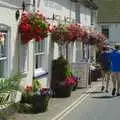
(39, 73)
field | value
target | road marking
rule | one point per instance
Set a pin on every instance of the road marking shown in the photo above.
(66, 111)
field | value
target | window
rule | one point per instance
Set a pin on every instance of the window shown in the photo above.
(3, 55)
(39, 58)
(105, 31)
(93, 17)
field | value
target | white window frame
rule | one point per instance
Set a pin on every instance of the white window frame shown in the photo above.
(6, 30)
(40, 70)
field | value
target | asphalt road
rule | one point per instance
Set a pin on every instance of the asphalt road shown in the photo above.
(97, 106)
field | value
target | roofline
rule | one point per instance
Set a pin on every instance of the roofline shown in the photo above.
(106, 22)
(87, 3)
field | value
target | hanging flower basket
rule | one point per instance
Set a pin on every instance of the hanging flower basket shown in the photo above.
(95, 38)
(62, 34)
(76, 32)
(59, 34)
(33, 26)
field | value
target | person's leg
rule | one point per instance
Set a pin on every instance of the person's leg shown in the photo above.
(103, 80)
(113, 75)
(107, 80)
(118, 83)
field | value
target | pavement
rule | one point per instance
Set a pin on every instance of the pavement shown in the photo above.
(57, 106)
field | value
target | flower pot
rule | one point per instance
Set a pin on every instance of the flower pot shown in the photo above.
(26, 99)
(63, 91)
(40, 103)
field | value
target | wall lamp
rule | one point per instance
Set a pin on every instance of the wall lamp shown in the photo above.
(23, 7)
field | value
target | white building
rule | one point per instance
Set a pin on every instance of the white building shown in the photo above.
(109, 19)
(33, 60)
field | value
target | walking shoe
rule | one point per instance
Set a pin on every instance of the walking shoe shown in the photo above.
(118, 94)
(113, 91)
(102, 88)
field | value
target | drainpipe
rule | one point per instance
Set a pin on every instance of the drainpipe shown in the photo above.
(77, 12)
(33, 42)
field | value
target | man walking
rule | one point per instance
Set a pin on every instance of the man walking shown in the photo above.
(105, 63)
(115, 69)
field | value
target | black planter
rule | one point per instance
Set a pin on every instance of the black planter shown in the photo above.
(63, 91)
(40, 103)
(26, 99)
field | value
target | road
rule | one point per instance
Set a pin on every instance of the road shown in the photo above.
(97, 106)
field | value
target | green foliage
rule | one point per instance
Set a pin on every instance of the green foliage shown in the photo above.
(7, 86)
(60, 70)
(35, 85)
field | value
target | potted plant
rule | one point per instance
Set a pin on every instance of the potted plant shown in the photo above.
(36, 96)
(41, 99)
(62, 80)
(8, 88)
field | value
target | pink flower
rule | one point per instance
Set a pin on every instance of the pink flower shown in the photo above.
(28, 88)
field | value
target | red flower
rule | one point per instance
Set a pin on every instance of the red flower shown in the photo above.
(24, 27)
(33, 26)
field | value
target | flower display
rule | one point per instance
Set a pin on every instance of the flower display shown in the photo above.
(36, 89)
(69, 81)
(67, 33)
(59, 34)
(94, 38)
(76, 32)
(33, 26)
(44, 92)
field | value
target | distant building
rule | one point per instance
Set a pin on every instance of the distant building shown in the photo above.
(108, 19)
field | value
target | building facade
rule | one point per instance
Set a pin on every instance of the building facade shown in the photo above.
(33, 60)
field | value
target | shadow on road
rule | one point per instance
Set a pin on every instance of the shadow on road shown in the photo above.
(94, 92)
(103, 97)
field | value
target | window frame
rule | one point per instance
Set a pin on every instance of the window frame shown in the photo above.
(40, 71)
(108, 31)
(6, 29)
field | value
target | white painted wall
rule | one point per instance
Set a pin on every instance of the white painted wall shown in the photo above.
(59, 7)
(85, 16)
